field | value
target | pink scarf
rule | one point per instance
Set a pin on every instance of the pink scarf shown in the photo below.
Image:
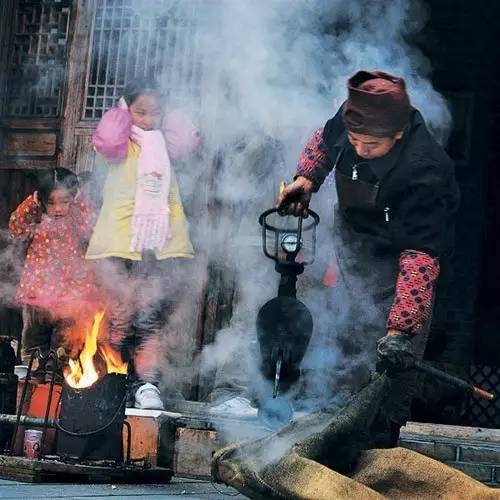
(150, 222)
(150, 218)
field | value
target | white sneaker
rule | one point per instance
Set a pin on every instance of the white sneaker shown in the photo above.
(147, 397)
(235, 407)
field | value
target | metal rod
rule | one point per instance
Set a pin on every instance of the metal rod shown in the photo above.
(451, 379)
(26, 420)
(34, 354)
(52, 355)
(277, 374)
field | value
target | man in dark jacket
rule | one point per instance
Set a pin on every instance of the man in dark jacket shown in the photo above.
(396, 194)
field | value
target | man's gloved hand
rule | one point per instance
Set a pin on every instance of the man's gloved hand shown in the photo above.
(394, 352)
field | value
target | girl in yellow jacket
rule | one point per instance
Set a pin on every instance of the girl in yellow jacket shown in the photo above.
(141, 236)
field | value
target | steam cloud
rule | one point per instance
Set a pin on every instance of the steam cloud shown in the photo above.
(266, 74)
(272, 72)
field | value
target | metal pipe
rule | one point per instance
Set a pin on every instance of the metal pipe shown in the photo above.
(26, 420)
(52, 355)
(22, 401)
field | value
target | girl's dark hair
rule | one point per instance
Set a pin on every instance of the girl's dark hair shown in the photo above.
(141, 86)
(56, 178)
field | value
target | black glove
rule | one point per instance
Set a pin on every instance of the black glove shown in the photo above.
(394, 352)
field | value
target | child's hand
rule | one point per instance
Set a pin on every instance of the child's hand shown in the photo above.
(35, 198)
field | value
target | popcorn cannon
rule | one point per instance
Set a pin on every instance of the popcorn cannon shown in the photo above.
(284, 324)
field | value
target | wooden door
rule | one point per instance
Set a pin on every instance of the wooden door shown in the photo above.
(34, 40)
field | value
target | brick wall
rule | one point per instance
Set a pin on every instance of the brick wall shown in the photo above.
(474, 451)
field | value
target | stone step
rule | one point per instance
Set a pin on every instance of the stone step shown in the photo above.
(474, 451)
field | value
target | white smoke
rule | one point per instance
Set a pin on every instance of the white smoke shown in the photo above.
(278, 69)
(264, 74)
(283, 64)
(10, 269)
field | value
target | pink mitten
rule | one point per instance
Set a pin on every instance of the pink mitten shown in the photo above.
(112, 134)
(180, 134)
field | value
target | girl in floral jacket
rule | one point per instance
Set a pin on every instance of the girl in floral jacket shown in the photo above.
(57, 284)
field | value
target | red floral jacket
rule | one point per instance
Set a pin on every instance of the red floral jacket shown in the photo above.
(55, 272)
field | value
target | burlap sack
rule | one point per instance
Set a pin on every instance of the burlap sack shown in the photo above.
(320, 457)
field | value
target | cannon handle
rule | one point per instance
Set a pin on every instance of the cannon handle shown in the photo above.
(452, 380)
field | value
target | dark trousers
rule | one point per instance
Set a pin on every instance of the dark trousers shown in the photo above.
(43, 333)
(146, 299)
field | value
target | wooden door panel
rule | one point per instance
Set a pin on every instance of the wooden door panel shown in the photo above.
(30, 143)
(85, 154)
(33, 59)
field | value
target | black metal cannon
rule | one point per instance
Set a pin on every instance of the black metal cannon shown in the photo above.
(284, 324)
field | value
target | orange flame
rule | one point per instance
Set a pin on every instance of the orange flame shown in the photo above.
(83, 372)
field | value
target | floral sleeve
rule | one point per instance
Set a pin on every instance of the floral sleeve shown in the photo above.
(83, 215)
(412, 305)
(313, 162)
(25, 219)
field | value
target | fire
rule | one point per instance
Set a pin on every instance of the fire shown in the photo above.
(83, 371)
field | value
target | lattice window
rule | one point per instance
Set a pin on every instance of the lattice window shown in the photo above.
(481, 412)
(159, 39)
(38, 58)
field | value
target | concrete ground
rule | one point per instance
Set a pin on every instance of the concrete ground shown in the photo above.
(179, 488)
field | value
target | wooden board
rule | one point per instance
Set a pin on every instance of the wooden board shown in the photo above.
(85, 156)
(193, 452)
(30, 143)
(42, 471)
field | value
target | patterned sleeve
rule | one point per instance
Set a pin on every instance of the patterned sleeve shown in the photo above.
(83, 215)
(313, 163)
(412, 304)
(25, 219)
